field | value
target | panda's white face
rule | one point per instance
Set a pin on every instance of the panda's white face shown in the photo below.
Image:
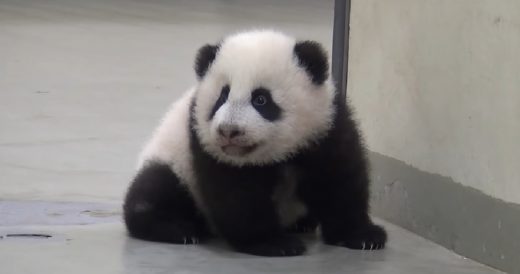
(256, 105)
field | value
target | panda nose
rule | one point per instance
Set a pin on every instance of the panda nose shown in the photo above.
(230, 131)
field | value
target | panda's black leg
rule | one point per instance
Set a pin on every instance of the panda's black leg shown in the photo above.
(280, 246)
(246, 218)
(344, 218)
(158, 208)
(341, 207)
(335, 188)
(305, 224)
(242, 209)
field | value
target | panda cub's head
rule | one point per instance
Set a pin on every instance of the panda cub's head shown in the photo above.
(261, 97)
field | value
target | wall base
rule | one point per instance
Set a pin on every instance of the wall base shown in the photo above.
(460, 218)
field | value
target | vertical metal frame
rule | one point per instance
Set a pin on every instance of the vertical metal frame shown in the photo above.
(340, 46)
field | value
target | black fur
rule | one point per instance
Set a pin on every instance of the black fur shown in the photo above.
(305, 224)
(220, 101)
(165, 211)
(333, 186)
(205, 56)
(270, 110)
(313, 58)
(239, 201)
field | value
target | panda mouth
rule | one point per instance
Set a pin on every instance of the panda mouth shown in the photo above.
(238, 150)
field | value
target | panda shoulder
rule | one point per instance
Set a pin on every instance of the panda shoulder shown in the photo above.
(170, 140)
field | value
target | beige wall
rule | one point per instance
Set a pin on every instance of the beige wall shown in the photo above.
(436, 83)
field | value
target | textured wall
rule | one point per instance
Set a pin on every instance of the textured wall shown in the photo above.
(436, 84)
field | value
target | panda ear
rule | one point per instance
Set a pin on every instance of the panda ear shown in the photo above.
(313, 58)
(204, 59)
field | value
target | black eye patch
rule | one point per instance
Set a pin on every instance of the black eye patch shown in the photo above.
(220, 101)
(263, 103)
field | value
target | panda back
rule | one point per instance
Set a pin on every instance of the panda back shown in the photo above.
(170, 142)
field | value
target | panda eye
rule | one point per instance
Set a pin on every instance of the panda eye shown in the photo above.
(265, 105)
(259, 100)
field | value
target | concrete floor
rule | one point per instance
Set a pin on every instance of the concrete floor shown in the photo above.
(103, 247)
(82, 84)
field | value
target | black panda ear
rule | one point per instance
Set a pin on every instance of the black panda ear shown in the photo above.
(313, 58)
(205, 57)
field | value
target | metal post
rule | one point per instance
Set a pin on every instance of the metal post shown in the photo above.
(340, 43)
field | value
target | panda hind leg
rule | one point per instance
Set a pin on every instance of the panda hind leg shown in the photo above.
(158, 208)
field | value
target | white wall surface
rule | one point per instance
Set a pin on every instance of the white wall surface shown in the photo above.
(436, 83)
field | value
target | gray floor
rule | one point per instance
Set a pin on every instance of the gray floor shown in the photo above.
(89, 238)
(82, 83)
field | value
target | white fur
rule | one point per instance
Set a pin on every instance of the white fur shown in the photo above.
(170, 144)
(170, 141)
(247, 61)
(255, 59)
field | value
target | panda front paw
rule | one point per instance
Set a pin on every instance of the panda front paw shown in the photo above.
(369, 237)
(185, 234)
(283, 246)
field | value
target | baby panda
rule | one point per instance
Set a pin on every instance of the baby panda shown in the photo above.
(262, 147)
